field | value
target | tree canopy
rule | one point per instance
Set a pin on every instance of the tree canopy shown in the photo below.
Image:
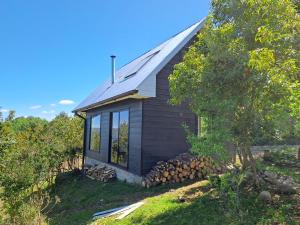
(242, 74)
(32, 152)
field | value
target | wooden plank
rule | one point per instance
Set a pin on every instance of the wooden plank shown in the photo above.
(108, 211)
(127, 212)
(115, 211)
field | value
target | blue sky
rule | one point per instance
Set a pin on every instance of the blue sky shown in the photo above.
(54, 53)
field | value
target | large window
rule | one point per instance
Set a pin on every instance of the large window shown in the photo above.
(119, 137)
(95, 133)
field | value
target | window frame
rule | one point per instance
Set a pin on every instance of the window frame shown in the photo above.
(90, 132)
(110, 137)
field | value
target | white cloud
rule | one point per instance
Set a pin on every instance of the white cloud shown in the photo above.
(53, 105)
(66, 102)
(4, 110)
(48, 112)
(35, 107)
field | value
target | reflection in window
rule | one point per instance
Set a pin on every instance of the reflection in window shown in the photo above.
(95, 135)
(119, 137)
(114, 137)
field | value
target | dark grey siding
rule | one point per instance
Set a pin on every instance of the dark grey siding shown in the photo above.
(163, 133)
(135, 132)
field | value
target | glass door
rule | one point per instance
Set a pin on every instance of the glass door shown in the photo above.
(119, 128)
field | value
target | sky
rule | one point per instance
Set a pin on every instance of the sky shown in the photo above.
(54, 53)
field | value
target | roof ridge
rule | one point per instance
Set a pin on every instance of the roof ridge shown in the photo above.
(162, 42)
(143, 83)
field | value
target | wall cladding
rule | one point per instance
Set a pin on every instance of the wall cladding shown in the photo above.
(163, 135)
(135, 131)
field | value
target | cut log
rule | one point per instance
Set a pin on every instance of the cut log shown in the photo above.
(101, 173)
(184, 166)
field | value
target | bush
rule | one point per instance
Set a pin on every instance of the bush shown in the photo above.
(32, 153)
(229, 188)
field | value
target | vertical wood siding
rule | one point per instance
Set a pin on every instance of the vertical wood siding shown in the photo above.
(163, 134)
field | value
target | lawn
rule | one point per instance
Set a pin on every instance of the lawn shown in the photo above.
(75, 198)
(78, 197)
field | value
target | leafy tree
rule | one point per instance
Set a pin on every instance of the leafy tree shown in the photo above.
(21, 124)
(32, 152)
(67, 132)
(11, 115)
(297, 3)
(1, 115)
(242, 74)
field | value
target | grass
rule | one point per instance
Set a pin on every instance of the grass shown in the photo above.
(278, 166)
(77, 198)
(204, 206)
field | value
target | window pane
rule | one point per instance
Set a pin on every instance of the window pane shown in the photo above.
(123, 138)
(114, 137)
(95, 139)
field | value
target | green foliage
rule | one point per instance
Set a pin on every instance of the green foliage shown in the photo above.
(32, 152)
(243, 73)
(229, 187)
(11, 115)
(21, 124)
(1, 117)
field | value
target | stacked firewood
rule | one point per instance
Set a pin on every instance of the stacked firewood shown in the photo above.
(183, 167)
(101, 173)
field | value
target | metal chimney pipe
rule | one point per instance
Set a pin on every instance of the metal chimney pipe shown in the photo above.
(113, 68)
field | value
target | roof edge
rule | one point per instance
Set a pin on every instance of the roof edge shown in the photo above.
(169, 57)
(115, 98)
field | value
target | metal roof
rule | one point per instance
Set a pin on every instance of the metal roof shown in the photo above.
(139, 75)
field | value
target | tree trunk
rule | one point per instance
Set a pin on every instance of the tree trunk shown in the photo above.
(252, 164)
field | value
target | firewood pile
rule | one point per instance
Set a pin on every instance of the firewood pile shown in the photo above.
(101, 173)
(183, 167)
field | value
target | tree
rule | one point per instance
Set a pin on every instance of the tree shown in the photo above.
(297, 3)
(1, 115)
(32, 153)
(11, 115)
(242, 74)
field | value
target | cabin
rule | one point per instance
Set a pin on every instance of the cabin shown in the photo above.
(129, 123)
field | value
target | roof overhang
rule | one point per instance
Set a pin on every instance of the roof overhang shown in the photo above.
(127, 95)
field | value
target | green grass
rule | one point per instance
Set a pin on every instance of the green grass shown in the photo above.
(204, 208)
(76, 198)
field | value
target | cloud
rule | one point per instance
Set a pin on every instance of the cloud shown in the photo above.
(4, 110)
(35, 107)
(53, 105)
(66, 102)
(48, 112)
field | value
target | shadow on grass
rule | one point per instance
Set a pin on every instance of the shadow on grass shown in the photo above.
(203, 205)
(208, 209)
(75, 198)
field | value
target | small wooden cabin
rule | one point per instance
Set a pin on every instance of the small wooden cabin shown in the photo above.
(129, 123)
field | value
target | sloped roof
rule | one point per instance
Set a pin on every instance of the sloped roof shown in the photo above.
(139, 76)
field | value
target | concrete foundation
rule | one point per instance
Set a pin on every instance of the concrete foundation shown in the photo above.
(122, 174)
